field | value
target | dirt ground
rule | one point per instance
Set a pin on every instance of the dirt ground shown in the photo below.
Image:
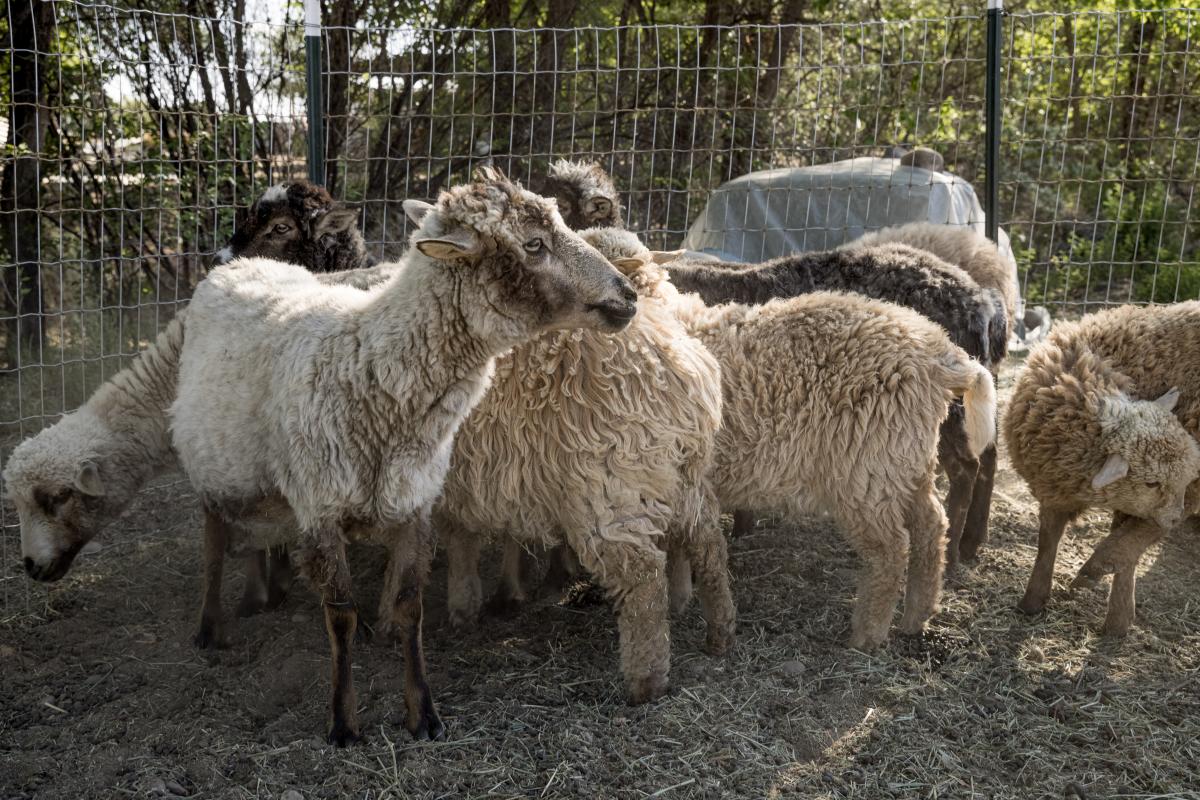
(102, 694)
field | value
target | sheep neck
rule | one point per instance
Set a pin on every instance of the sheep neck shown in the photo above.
(422, 311)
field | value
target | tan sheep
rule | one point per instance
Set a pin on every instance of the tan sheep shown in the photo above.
(1085, 431)
(602, 443)
(832, 402)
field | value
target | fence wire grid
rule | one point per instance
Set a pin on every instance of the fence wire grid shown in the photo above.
(133, 135)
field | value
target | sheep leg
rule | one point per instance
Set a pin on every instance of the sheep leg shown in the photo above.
(408, 572)
(926, 559)
(679, 571)
(708, 557)
(962, 477)
(510, 592)
(254, 596)
(1119, 553)
(464, 590)
(280, 580)
(634, 576)
(562, 571)
(884, 551)
(326, 566)
(975, 532)
(216, 537)
(1121, 602)
(743, 522)
(1052, 524)
(1127, 539)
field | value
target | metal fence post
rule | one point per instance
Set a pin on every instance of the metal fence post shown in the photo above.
(995, 15)
(315, 83)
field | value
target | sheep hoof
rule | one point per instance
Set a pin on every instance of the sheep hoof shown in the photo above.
(461, 618)
(865, 643)
(248, 607)
(342, 734)
(209, 638)
(429, 728)
(1091, 573)
(503, 604)
(1032, 606)
(384, 632)
(1116, 628)
(647, 689)
(720, 640)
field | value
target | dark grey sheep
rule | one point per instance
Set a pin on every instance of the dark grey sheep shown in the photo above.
(299, 223)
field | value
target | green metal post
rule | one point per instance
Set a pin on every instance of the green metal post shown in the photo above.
(995, 35)
(316, 84)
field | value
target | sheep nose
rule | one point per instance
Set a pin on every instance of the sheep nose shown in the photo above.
(28, 565)
(626, 290)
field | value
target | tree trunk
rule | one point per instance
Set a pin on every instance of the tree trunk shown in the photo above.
(32, 22)
(339, 19)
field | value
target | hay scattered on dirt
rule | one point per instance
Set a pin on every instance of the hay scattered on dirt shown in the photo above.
(104, 696)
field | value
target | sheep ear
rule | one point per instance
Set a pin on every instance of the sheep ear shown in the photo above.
(457, 244)
(416, 210)
(1169, 399)
(599, 205)
(336, 221)
(666, 256)
(1115, 468)
(87, 479)
(628, 265)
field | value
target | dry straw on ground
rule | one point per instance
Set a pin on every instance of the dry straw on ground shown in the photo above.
(104, 696)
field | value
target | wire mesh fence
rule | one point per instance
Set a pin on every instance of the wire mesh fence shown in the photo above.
(134, 134)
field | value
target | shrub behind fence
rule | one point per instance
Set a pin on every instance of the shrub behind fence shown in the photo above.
(133, 136)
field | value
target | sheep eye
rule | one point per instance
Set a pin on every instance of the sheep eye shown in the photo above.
(1153, 484)
(534, 246)
(281, 228)
(50, 503)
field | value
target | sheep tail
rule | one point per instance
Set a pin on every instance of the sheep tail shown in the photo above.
(971, 381)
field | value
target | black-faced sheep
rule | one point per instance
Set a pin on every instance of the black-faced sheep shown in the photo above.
(1106, 414)
(973, 317)
(833, 402)
(336, 408)
(585, 194)
(299, 223)
(602, 443)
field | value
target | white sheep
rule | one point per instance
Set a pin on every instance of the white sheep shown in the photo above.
(1106, 414)
(335, 408)
(602, 443)
(833, 402)
(74, 478)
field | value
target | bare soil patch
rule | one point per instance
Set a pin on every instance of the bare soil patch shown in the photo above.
(103, 694)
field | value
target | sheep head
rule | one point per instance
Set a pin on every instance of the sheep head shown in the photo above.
(533, 272)
(55, 482)
(586, 195)
(299, 223)
(627, 253)
(1147, 460)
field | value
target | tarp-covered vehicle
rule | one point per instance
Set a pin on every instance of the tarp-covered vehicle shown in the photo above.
(764, 215)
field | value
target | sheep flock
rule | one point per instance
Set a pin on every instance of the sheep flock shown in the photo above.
(527, 376)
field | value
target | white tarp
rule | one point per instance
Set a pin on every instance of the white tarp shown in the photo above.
(768, 214)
